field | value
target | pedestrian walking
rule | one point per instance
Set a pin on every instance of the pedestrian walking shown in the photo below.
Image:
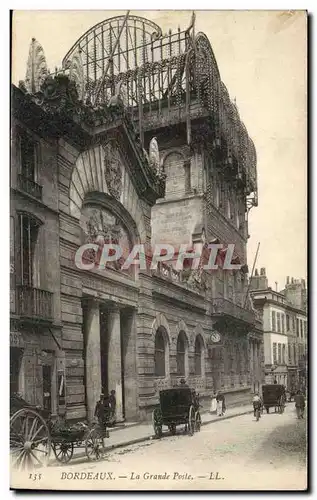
(221, 404)
(299, 404)
(213, 405)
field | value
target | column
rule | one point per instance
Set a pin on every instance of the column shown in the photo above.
(93, 369)
(114, 358)
(129, 354)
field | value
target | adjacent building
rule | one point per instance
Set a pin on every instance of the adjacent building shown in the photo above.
(134, 140)
(285, 329)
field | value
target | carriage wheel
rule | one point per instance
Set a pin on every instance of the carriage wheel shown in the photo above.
(63, 451)
(30, 442)
(197, 421)
(172, 429)
(191, 421)
(94, 446)
(156, 421)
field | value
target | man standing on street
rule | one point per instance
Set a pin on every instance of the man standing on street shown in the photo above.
(299, 404)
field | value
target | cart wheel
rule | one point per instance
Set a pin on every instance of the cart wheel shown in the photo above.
(197, 421)
(30, 442)
(172, 429)
(191, 421)
(156, 421)
(63, 451)
(94, 447)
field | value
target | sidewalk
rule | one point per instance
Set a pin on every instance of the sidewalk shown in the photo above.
(135, 432)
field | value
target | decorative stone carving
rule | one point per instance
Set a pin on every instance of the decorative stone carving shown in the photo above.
(120, 97)
(36, 70)
(154, 155)
(76, 73)
(100, 226)
(113, 169)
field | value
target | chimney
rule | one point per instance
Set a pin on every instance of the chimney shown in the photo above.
(287, 280)
(256, 273)
(303, 284)
(292, 281)
(262, 271)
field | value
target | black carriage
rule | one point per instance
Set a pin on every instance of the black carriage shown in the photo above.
(178, 406)
(274, 396)
(30, 440)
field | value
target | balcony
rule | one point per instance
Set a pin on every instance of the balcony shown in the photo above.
(232, 314)
(34, 304)
(30, 187)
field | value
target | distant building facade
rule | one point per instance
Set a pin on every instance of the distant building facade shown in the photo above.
(81, 173)
(285, 329)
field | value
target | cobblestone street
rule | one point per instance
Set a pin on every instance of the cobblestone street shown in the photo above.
(238, 453)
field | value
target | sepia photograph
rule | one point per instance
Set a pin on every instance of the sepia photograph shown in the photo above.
(158, 250)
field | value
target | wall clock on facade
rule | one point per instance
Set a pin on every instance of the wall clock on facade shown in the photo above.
(215, 337)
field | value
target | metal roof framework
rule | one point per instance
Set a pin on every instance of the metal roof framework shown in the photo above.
(156, 73)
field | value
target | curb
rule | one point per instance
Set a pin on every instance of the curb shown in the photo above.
(143, 439)
(151, 438)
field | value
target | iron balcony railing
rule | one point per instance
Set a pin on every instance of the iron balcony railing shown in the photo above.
(34, 303)
(225, 307)
(30, 187)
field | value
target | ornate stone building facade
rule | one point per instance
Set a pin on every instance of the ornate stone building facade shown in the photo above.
(284, 317)
(81, 173)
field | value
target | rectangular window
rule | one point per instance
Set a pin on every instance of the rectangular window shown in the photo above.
(294, 325)
(28, 157)
(290, 354)
(301, 329)
(28, 238)
(274, 353)
(284, 354)
(305, 329)
(278, 322)
(279, 355)
(273, 321)
(283, 323)
(287, 323)
(297, 327)
(294, 352)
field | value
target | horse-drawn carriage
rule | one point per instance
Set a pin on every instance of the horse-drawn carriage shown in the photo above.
(274, 396)
(177, 406)
(33, 435)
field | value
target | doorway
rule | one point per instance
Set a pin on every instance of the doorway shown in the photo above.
(15, 367)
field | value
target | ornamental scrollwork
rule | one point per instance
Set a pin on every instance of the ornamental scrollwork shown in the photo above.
(113, 169)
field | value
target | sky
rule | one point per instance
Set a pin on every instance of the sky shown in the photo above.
(261, 56)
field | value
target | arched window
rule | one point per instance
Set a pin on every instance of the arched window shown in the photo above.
(159, 353)
(181, 354)
(198, 355)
